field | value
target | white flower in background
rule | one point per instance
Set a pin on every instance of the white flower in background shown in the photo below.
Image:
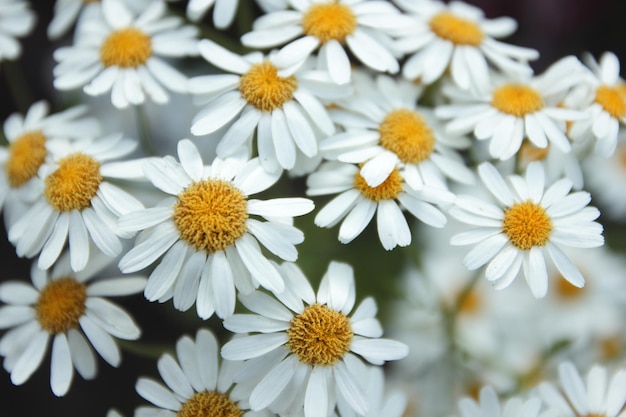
(361, 26)
(63, 307)
(206, 233)
(79, 203)
(308, 344)
(16, 20)
(528, 223)
(457, 37)
(488, 405)
(27, 135)
(121, 52)
(223, 11)
(66, 13)
(284, 110)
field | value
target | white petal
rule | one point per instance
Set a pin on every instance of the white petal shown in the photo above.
(83, 357)
(249, 347)
(273, 384)
(190, 159)
(157, 394)
(316, 397)
(61, 369)
(101, 341)
(174, 377)
(30, 359)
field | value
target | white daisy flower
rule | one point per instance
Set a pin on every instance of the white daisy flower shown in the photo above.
(207, 234)
(517, 108)
(528, 223)
(16, 20)
(285, 110)
(121, 52)
(488, 405)
(20, 161)
(223, 11)
(78, 203)
(307, 345)
(458, 37)
(64, 308)
(363, 26)
(358, 202)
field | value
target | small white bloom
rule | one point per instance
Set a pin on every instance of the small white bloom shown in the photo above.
(16, 20)
(488, 405)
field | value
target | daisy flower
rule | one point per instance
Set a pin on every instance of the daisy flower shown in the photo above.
(358, 202)
(121, 52)
(206, 233)
(363, 26)
(223, 11)
(309, 344)
(64, 307)
(528, 223)
(78, 203)
(285, 110)
(488, 405)
(20, 161)
(458, 37)
(16, 20)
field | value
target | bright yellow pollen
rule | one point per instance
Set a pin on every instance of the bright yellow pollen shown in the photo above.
(209, 404)
(612, 99)
(527, 225)
(61, 303)
(26, 154)
(328, 21)
(517, 100)
(565, 290)
(457, 30)
(264, 89)
(387, 190)
(211, 215)
(407, 134)
(74, 183)
(319, 335)
(126, 48)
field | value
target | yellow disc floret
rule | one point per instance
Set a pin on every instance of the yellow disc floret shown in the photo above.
(320, 335)
(387, 190)
(456, 29)
(328, 21)
(517, 100)
(527, 225)
(211, 215)
(262, 87)
(613, 100)
(209, 404)
(26, 154)
(61, 303)
(407, 134)
(126, 48)
(74, 183)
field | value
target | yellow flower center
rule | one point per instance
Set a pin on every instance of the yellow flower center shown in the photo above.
(264, 89)
(470, 304)
(612, 99)
(406, 133)
(26, 154)
(61, 303)
(455, 29)
(126, 48)
(517, 100)
(319, 335)
(387, 190)
(209, 404)
(328, 21)
(611, 347)
(526, 225)
(211, 215)
(74, 183)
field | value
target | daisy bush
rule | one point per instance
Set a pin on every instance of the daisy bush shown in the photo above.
(310, 208)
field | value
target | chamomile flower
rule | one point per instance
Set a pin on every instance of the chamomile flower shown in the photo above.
(62, 307)
(528, 223)
(363, 26)
(16, 20)
(488, 405)
(78, 204)
(122, 52)
(458, 37)
(285, 110)
(309, 343)
(206, 233)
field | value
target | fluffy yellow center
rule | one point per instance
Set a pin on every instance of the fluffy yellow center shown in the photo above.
(74, 183)
(407, 134)
(455, 29)
(516, 99)
(209, 404)
(264, 89)
(612, 99)
(126, 48)
(526, 225)
(328, 21)
(387, 190)
(211, 215)
(61, 303)
(319, 335)
(26, 154)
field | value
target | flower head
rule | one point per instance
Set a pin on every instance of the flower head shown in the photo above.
(18, 20)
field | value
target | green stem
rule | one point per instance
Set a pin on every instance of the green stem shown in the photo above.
(143, 130)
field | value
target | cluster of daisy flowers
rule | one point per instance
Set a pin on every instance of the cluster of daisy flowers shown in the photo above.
(412, 111)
